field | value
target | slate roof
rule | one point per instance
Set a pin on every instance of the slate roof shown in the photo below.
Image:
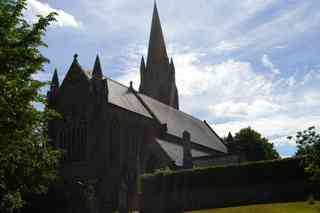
(175, 151)
(121, 96)
(177, 121)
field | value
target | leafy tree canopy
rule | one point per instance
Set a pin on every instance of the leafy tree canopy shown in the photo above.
(252, 145)
(308, 142)
(28, 163)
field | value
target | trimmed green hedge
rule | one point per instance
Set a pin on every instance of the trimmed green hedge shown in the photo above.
(275, 171)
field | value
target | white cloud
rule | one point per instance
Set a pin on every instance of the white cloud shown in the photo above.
(64, 19)
(277, 125)
(226, 46)
(257, 108)
(269, 33)
(275, 128)
(190, 80)
(310, 76)
(268, 64)
(291, 81)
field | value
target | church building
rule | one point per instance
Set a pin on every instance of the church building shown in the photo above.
(112, 133)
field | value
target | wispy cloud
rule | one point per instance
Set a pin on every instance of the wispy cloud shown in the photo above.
(258, 108)
(268, 64)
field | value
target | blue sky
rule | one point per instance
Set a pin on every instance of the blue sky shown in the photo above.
(238, 63)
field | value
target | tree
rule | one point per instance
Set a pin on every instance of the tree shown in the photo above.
(254, 147)
(28, 163)
(309, 148)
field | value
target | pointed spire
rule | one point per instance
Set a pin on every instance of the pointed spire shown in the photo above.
(142, 74)
(157, 48)
(97, 73)
(172, 65)
(142, 68)
(55, 79)
(229, 138)
(172, 70)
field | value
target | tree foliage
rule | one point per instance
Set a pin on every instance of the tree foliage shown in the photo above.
(28, 163)
(252, 145)
(309, 147)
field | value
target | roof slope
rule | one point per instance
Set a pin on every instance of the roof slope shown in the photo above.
(178, 122)
(121, 96)
(175, 151)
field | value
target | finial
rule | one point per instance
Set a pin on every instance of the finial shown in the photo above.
(75, 56)
(131, 85)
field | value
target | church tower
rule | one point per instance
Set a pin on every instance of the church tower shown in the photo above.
(158, 74)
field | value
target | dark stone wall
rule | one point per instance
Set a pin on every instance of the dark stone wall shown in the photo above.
(103, 142)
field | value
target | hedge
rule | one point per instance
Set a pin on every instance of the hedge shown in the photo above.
(275, 171)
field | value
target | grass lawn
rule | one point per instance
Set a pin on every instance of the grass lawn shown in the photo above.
(296, 207)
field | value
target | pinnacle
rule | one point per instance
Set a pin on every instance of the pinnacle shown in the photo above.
(142, 62)
(55, 79)
(97, 72)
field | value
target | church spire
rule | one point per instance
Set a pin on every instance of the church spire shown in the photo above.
(158, 75)
(157, 49)
(97, 72)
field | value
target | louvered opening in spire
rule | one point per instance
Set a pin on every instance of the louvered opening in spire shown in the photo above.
(157, 52)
